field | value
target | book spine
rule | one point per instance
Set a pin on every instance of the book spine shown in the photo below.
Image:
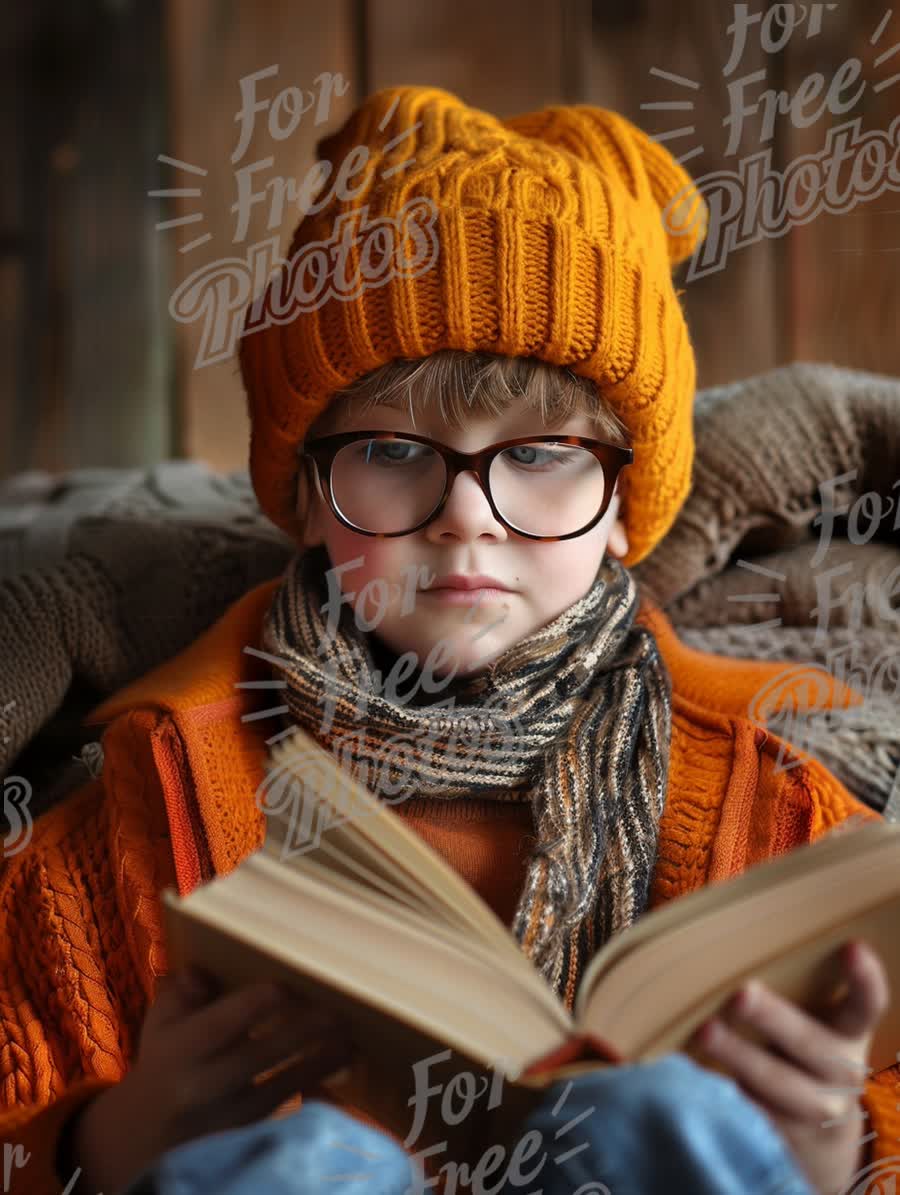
(580, 1047)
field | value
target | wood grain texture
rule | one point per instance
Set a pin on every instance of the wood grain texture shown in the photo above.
(843, 281)
(504, 57)
(86, 370)
(13, 444)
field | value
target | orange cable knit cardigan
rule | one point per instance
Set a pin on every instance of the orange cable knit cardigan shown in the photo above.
(82, 942)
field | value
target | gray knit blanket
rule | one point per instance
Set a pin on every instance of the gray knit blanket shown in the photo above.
(787, 548)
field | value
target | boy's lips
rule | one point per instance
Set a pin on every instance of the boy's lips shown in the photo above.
(466, 582)
(464, 597)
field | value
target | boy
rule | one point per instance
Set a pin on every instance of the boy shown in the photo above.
(638, 777)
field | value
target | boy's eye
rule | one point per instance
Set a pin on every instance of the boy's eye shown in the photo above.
(393, 451)
(541, 455)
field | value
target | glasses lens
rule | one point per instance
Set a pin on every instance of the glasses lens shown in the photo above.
(391, 486)
(387, 485)
(547, 489)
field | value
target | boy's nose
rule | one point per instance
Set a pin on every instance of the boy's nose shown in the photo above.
(467, 513)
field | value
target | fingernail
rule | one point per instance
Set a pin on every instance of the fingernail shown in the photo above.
(708, 1034)
(747, 997)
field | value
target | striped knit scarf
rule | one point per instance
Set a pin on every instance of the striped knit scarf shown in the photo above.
(576, 719)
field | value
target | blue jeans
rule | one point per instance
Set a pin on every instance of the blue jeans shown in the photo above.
(668, 1127)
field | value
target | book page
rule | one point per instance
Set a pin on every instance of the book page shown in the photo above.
(376, 846)
(741, 927)
(714, 899)
(322, 934)
(375, 836)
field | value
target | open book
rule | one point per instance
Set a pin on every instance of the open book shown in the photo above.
(346, 903)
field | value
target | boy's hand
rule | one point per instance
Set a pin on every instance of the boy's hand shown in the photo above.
(198, 1057)
(810, 1076)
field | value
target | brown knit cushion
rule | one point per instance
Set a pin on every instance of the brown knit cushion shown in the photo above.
(103, 575)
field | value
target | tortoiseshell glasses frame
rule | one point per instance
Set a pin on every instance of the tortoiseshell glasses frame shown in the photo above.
(320, 453)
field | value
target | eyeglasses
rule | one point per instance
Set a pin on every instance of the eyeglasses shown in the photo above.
(384, 483)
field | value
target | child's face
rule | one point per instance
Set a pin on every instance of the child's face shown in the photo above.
(543, 578)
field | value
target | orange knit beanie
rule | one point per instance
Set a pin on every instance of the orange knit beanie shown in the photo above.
(438, 226)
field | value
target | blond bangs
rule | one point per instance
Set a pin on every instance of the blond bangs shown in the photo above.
(459, 384)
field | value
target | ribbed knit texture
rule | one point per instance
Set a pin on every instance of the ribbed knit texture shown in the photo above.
(547, 239)
(575, 720)
(859, 743)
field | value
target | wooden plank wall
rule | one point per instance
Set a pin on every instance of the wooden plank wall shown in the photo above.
(98, 372)
(842, 284)
(212, 46)
(87, 372)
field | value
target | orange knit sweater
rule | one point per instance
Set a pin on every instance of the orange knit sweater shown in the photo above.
(81, 941)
